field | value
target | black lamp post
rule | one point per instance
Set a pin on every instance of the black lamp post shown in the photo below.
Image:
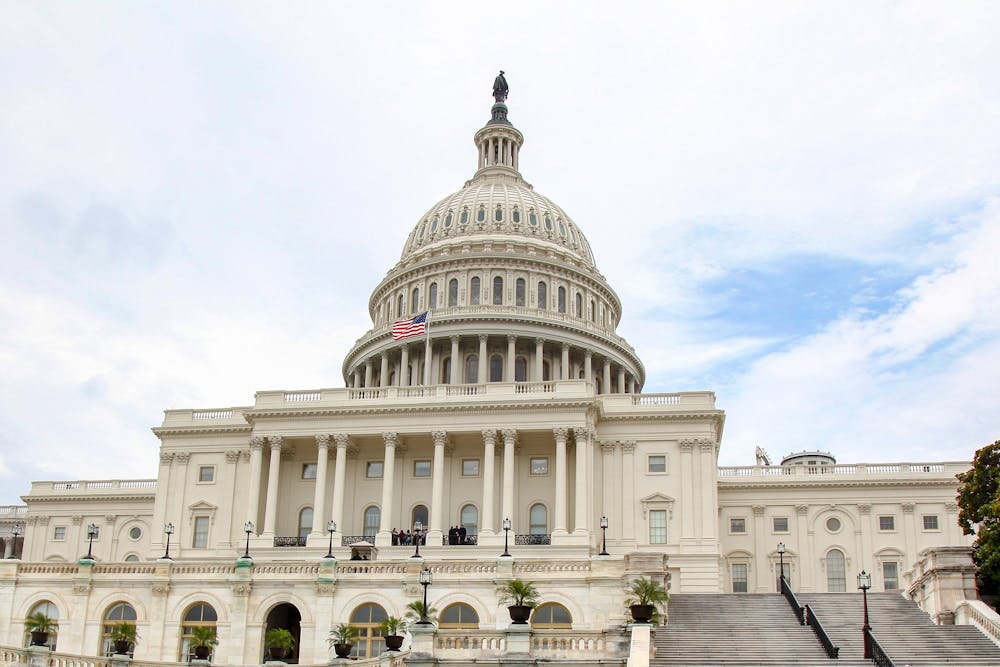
(91, 534)
(15, 532)
(417, 527)
(248, 528)
(506, 531)
(604, 538)
(331, 527)
(864, 583)
(426, 578)
(781, 564)
(169, 530)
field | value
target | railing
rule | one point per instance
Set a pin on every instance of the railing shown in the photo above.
(292, 541)
(656, 399)
(348, 540)
(470, 541)
(875, 650)
(841, 469)
(93, 485)
(20, 657)
(832, 650)
(524, 540)
(13, 510)
(980, 615)
(212, 414)
(792, 600)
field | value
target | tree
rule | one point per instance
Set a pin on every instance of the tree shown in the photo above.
(979, 515)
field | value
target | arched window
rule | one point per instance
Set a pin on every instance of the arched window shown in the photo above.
(519, 292)
(119, 612)
(579, 305)
(399, 306)
(472, 369)
(593, 310)
(543, 296)
(373, 516)
(198, 615)
(498, 214)
(459, 616)
(50, 610)
(453, 293)
(447, 220)
(538, 519)
(496, 368)
(420, 514)
(551, 615)
(446, 371)
(546, 371)
(561, 300)
(366, 619)
(474, 291)
(132, 558)
(434, 225)
(520, 369)
(414, 300)
(532, 218)
(470, 520)
(432, 297)
(515, 215)
(305, 522)
(498, 291)
(481, 214)
(836, 573)
(464, 219)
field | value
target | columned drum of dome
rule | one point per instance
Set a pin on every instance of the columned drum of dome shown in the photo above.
(509, 282)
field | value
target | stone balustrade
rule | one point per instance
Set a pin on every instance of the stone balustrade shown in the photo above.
(866, 470)
(144, 486)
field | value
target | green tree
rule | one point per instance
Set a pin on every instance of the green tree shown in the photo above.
(979, 503)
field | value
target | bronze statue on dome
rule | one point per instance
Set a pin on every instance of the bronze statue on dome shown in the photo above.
(500, 88)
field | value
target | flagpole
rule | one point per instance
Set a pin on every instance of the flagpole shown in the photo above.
(427, 350)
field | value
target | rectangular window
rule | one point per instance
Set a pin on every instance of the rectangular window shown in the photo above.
(887, 523)
(779, 524)
(373, 470)
(421, 468)
(59, 533)
(656, 463)
(657, 526)
(737, 526)
(931, 522)
(890, 576)
(739, 571)
(539, 465)
(200, 540)
(309, 470)
(206, 474)
(470, 467)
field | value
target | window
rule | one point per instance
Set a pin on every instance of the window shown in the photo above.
(539, 465)
(833, 524)
(519, 292)
(200, 538)
(546, 371)
(470, 467)
(931, 522)
(421, 468)
(496, 368)
(199, 614)
(593, 310)
(414, 300)
(472, 369)
(399, 306)
(737, 525)
(309, 470)
(538, 520)
(498, 291)
(453, 292)
(131, 558)
(532, 218)
(305, 522)
(579, 305)
(372, 517)
(474, 290)
(206, 474)
(52, 612)
(739, 577)
(120, 612)
(520, 369)
(432, 296)
(515, 215)
(464, 219)
(135, 533)
(656, 463)
(460, 616)
(548, 222)
(447, 220)
(561, 299)
(59, 533)
(97, 532)
(657, 526)
(836, 572)
(779, 524)
(551, 615)
(419, 513)
(470, 520)
(890, 576)
(446, 371)
(887, 523)
(434, 225)
(498, 214)
(481, 214)
(542, 296)
(367, 620)
(373, 470)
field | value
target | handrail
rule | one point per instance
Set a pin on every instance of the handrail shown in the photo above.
(792, 600)
(877, 653)
(832, 650)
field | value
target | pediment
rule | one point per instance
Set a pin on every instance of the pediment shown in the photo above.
(202, 506)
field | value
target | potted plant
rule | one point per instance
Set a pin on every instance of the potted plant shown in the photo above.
(39, 625)
(203, 638)
(123, 637)
(391, 629)
(342, 639)
(279, 643)
(645, 595)
(521, 597)
(415, 612)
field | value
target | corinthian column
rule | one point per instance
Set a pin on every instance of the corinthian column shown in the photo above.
(581, 522)
(437, 487)
(271, 504)
(489, 489)
(253, 502)
(319, 493)
(339, 475)
(384, 537)
(507, 502)
(559, 526)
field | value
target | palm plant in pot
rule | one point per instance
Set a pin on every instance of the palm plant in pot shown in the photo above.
(415, 612)
(39, 625)
(521, 597)
(123, 637)
(645, 595)
(342, 639)
(391, 629)
(203, 638)
(280, 642)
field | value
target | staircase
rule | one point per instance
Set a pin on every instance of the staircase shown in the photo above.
(905, 632)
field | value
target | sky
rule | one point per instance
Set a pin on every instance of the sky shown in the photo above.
(798, 204)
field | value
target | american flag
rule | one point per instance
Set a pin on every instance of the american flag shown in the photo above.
(415, 326)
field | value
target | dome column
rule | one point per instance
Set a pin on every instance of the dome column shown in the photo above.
(455, 363)
(383, 372)
(539, 358)
(368, 373)
(621, 379)
(588, 366)
(404, 366)
(564, 366)
(482, 359)
(511, 357)
(606, 380)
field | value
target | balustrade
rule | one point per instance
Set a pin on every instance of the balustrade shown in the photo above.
(526, 540)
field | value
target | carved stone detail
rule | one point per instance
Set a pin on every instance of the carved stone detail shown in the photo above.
(758, 510)
(509, 436)
(322, 440)
(342, 439)
(628, 446)
(560, 433)
(274, 441)
(490, 436)
(685, 446)
(864, 508)
(160, 587)
(907, 508)
(391, 438)
(257, 442)
(166, 458)
(81, 587)
(233, 455)
(241, 588)
(183, 458)
(326, 587)
(110, 519)
(951, 508)
(607, 447)
(801, 510)
(77, 519)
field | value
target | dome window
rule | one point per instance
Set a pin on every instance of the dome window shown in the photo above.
(481, 215)
(543, 296)
(432, 296)
(415, 300)
(434, 225)
(464, 219)
(562, 229)
(593, 310)
(498, 214)
(474, 291)
(420, 232)
(532, 218)
(453, 293)
(515, 215)
(561, 299)
(498, 291)
(519, 292)
(548, 223)
(447, 219)
(472, 369)
(496, 368)
(579, 305)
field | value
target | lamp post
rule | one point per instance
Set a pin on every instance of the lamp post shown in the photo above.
(331, 527)
(426, 578)
(781, 564)
(248, 528)
(15, 532)
(417, 527)
(864, 583)
(169, 530)
(604, 538)
(91, 534)
(506, 531)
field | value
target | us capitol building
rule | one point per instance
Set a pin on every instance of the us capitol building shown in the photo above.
(519, 407)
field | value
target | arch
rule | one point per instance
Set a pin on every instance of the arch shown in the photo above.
(520, 369)
(366, 618)
(578, 302)
(543, 296)
(551, 616)
(419, 513)
(453, 292)
(371, 520)
(287, 616)
(131, 558)
(519, 292)
(497, 291)
(475, 290)
(415, 300)
(469, 516)
(432, 296)
(836, 571)
(561, 299)
(472, 369)
(199, 614)
(538, 519)
(458, 615)
(50, 609)
(118, 613)
(496, 368)
(305, 522)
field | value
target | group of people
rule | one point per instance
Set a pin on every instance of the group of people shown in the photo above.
(458, 535)
(404, 537)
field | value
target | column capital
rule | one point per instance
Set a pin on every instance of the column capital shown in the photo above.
(256, 442)
(907, 508)
(607, 447)
(183, 458)
(685, 446)
(589, 354)
(758, 510)
(628, 446)
(511, 338)
(509, 436)
(439, 437)
(454, 338)
(581, 433)
(233, 455)
(342, 439)
(560, 432)
(483, 337)
(565, 346)
(951, 508)
(391, 438)
(322, 440)
(274, 441)
(802, 510)
(539, 340)
(166, 458)
(490, 435)
(384, 355)
(864, 508)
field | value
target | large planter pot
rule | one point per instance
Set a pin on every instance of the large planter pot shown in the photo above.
(344, 650)
(519, 614)
(39, 638)
(276, 652)
(202, 652)
(642, 613)
(122, 646)
(394, 642)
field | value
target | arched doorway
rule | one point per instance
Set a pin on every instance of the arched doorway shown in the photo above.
(288, 617)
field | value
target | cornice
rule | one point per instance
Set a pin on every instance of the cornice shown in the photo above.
(79, 497)
(200, 430)
(641, 415)
(813, 482)
(423, 408)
